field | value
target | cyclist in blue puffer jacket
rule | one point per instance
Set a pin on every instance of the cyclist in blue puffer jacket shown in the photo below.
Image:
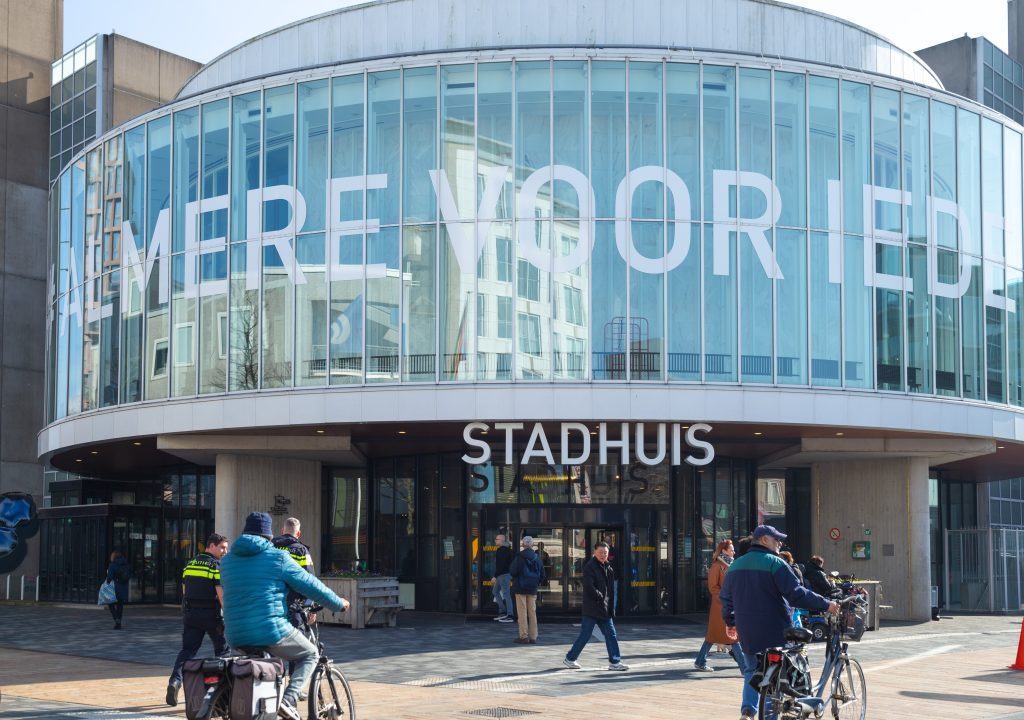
(256, 578)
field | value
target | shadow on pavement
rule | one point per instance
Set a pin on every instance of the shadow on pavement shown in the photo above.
(972, 699)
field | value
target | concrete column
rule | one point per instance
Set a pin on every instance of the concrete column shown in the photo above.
(284, 488)
(889, 497)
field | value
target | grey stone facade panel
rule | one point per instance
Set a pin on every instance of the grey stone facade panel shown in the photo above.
(23, 254)
(22, 408)
(27, 138)
(23, 334)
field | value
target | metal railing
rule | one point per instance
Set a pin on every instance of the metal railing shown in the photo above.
(20, 587)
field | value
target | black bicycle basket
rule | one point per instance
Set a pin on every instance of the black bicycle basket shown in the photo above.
(853, 619)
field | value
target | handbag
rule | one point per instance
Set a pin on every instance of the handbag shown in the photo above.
(107, 594)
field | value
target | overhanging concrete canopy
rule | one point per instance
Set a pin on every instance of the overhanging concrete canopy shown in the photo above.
(204, 449)
(938, 451)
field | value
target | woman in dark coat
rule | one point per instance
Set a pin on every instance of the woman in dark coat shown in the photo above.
(118, 573)
(718, 633)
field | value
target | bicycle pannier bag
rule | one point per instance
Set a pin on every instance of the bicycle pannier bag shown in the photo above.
(257, 688)
(193, 686)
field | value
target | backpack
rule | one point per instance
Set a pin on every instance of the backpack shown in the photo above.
(530, 572)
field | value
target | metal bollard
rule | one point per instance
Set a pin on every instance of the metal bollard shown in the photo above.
(22, 588)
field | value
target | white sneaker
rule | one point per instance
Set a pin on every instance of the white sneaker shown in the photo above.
(703, 668)
(500, 618)
(506, 619)
(572, 664)
(618, 666)
(288, 711)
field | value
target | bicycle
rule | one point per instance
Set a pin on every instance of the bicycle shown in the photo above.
(784, 681)
(330, 696)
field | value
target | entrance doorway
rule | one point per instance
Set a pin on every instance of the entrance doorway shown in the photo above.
(563, 550)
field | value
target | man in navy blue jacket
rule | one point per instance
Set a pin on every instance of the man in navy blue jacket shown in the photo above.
(757, 598)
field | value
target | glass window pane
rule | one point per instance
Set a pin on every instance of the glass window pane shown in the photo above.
(243, 325)
(93, 279)
(858, 323)
(919, 322)
(419, 310)
(382, 307)
(1012, 172)
(720, 307)
(916, 166)
(312, 156)
(646, 139)
(647, 304)
(944, 170)
(719, 88)
(1015, 337)
(420, 145)
(791, 148)
(856, 153)
(74, 306)
(278, 154)
(383, 143)
(791, 307)
(826, 315)
(968, 134)
(457, 314)
(245, 159)
(608, 307)
(311, 309)
(973, 329)
(277, 316)
(608, 128)
(947, 326)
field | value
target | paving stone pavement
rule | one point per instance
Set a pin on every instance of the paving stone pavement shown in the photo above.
(445, 666)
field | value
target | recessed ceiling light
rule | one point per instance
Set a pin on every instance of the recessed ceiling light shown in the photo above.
(78, 459)
(685, 427)
(757, 433)
(401, 432)
(319, 432)
(94, 452)
(593, 432)
(136, 443)
(838, 434)
(483, 432)
(1000, 447)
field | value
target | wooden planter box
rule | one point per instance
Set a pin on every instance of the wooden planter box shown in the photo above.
(374, 601)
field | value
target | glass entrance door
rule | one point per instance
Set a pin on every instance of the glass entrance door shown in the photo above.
(564, 550)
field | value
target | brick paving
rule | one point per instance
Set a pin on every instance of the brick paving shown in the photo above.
(60, 663)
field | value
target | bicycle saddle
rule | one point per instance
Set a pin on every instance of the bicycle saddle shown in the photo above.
(800, 635)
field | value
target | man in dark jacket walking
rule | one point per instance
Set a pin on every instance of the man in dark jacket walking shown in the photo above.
(756, 597)
(501, 590)
(527, 573)
(598, 609)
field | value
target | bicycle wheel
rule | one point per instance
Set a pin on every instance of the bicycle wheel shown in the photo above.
(220, 704)
(330, 697)
(849, 692)
(770, 704)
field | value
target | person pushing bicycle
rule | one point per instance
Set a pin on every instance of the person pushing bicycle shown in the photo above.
(757, 595)
(256, 578)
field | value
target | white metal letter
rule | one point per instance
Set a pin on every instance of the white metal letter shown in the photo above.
(692, 441)
(485, 449)
(528, 225)
(754, 227)
(338, 227)
(623, 227)
(567, 458)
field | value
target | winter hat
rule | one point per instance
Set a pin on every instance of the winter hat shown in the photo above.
(258, 523)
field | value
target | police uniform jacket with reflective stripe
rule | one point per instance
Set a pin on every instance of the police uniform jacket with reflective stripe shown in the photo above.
(201, 578)
(298, 550)
(256, 578)
(756, 596)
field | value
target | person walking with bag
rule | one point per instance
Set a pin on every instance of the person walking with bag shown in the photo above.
(527, 573)
(598, 609)
(118, 573)
(718, 633)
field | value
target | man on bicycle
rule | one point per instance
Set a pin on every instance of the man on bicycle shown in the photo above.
(256, 578)
(756, 596)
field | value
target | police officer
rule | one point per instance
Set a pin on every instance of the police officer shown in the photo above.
(203, 600)
(289, 541)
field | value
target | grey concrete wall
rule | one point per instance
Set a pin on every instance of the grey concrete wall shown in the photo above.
(31, 37)
(143, 77)
(249, 483)
(956, 66)
(889, 498)
(1015, 27)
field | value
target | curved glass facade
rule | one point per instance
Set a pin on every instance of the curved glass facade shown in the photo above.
(576, 220)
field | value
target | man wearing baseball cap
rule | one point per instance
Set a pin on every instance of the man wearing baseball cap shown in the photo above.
(757, 596)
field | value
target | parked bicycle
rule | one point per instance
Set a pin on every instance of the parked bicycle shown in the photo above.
(784, 679)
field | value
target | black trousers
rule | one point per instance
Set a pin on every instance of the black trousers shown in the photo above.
(116, 611)
(199, 623)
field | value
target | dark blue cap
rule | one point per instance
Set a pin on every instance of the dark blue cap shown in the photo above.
(761, 530)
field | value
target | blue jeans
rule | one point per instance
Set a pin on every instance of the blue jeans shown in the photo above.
(611, 640)
(296, 647)
(503, 595)
(749, 701)
(734, 651)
